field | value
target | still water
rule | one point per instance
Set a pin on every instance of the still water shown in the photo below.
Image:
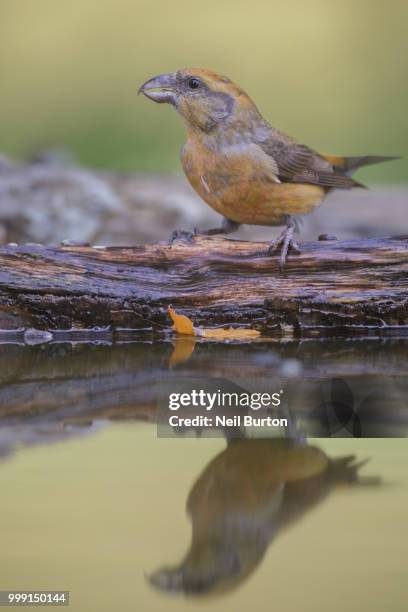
(94, 502)
(97, 515)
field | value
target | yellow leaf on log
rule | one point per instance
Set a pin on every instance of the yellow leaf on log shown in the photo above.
(231, 333)
(183, 325)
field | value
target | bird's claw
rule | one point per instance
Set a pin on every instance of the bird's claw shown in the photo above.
(183, 235)
(285, 242)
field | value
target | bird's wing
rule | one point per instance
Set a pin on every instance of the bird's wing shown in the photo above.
(298, 163)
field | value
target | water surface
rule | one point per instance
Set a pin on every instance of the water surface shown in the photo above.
(97, 513)
(95, 503)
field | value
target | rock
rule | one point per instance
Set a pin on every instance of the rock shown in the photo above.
(43, 203)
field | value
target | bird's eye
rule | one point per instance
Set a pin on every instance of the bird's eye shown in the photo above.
(193, 83)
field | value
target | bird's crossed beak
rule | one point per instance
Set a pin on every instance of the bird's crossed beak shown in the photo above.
(160, 88)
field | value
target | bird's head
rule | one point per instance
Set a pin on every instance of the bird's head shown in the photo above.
(204, 98)
(212, 567)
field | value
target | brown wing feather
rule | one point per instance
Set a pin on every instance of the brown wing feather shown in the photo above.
(298, 163)
(326, 179)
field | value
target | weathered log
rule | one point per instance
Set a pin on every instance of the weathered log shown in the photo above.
(357, 284)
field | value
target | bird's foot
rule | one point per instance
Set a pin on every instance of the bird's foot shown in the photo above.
(183, 235)
(227, 227)
(285, 242)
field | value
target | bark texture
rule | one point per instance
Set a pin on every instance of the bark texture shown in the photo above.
(356, 285)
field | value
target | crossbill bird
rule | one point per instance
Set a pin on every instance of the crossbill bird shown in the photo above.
(246, 170)
(243, 498)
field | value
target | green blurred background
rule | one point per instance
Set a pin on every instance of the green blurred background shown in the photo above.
(333, 74)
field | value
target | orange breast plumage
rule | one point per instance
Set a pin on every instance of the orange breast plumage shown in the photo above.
(240, 182)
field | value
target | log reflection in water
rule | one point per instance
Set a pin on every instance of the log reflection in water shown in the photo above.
(81, 383)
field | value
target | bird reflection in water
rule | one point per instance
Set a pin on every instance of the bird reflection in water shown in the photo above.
(244, 497)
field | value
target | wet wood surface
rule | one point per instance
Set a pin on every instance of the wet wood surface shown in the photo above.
(356, 284)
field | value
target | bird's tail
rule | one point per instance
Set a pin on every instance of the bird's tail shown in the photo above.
(345, 470)
(350, 164)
